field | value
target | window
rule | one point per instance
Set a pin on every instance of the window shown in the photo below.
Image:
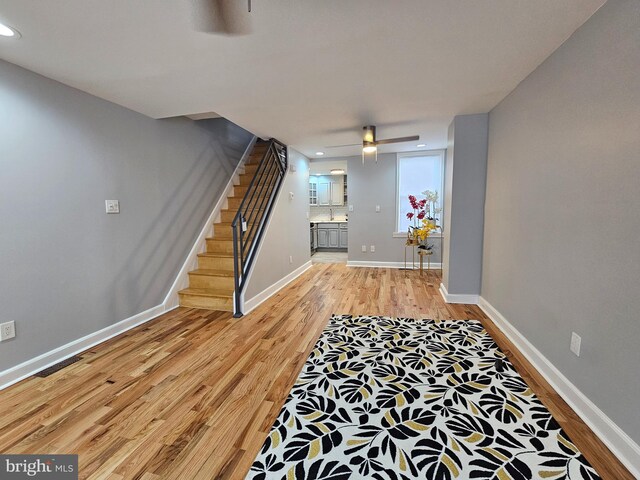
(418, 172)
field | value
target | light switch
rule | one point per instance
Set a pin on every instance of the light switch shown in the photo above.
(377, 208)
(112, 206)
(351, 208)
(290, 195)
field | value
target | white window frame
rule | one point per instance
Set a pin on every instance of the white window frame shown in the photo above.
(432, 153)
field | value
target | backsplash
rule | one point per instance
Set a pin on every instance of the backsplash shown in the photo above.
(319, 214)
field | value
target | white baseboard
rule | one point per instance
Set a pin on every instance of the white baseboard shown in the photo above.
(622, 446)
(457, 298)
(34, 365)
(268, 292)
(191, 263)
(361, 263)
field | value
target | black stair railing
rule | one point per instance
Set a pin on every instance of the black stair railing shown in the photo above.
(250, 221)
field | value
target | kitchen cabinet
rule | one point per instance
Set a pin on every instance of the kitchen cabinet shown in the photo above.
(323, 238)
(328, 191)
(334, 238)
(313, 193)
(332, 235)
(344, 238)
(337, 191)
(324, 193)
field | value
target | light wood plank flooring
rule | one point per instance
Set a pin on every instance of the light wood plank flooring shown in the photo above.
(193, 393)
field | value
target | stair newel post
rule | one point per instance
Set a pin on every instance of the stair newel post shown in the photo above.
(237, 313)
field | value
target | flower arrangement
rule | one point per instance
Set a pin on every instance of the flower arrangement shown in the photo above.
(425, 220)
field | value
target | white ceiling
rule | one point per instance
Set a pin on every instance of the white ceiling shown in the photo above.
(311, 74)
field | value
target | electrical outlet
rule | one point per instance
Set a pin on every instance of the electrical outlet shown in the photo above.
(351, 208)
(364, 249)
(290, 258)
(377, 208)
(372, 248)
(7, 331)
(576, 341)
(112, 206)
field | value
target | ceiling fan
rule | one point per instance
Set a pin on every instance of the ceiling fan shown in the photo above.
(370, 142)
(226, 17)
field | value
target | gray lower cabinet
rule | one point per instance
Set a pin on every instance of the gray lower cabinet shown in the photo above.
(332, 235)
(334, 238)
(323, 238)
(344, 238)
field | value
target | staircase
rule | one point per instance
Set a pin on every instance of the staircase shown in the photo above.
(222, 268)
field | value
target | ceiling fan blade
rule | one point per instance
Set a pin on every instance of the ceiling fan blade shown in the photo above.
(413, 138)
(346, 145)
(228, 17)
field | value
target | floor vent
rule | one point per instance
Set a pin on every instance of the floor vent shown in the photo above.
(58, 366)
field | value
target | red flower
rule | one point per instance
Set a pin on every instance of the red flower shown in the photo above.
(413, 202)
(421, 215)
(409, 215)
(423, 202)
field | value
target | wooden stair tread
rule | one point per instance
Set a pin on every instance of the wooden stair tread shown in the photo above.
(206, 292)
(215, 255)
(227, 224)
(211, 272)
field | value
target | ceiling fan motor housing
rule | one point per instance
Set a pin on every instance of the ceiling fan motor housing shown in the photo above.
(369, 137)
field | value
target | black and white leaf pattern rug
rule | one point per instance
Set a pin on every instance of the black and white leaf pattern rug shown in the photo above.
(397, 398)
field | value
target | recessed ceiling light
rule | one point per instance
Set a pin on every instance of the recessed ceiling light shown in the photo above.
(420, 145)
(6, 31)
(319, 153)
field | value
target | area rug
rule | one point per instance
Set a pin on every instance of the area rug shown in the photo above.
(397, 398)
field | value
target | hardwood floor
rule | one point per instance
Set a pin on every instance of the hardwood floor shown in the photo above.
(193, 393)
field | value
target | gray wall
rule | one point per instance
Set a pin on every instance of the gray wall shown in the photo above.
(562, 219)
(287, 233)
(369, 185)
(68, 268)
(465, 180)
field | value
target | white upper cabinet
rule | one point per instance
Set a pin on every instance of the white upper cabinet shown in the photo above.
(327, 191)
(337, 191)
(324, 193)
